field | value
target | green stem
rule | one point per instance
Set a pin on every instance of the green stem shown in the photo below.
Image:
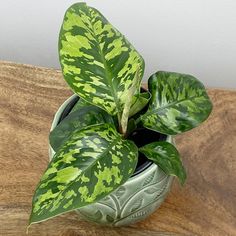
(125, 113)
(119, 123)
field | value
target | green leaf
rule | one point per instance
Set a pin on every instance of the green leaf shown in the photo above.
(179, 103)
(80, 104)
(97, 61)
(92, 163)
(131, 127)
(139, 101)
(79, 119)
(166, 156)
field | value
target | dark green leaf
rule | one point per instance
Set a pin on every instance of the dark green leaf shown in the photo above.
(79, 104)
(131, 127)
(97, 61)
(79, 119)
(179, 103)
(166, 156)
(92, 163)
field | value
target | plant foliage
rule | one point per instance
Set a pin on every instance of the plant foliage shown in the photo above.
(93, 153)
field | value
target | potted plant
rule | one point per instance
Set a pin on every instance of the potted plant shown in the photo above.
(111, 144)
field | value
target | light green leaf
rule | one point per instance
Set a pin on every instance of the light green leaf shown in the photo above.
(179, 103)
(97, 61)
(84, 116)
(166, 156)
(139, 101)
(91, 164)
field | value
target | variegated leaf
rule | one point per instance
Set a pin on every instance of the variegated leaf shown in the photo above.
(179, 103)
(84, 116)
(97, 61)
(79, 104)
(167, 157)
(91, 164)
(139, 101)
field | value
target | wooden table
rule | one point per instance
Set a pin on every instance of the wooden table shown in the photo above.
(206, 205)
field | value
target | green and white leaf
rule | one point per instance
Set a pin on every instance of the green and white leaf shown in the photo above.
(92, 163)
(167, 157)
(97, 61)
(84, 116)
(179, 103)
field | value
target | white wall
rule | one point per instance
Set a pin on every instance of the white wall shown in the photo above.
(190, 36)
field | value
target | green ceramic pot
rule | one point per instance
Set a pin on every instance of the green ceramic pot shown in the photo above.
(140, 196)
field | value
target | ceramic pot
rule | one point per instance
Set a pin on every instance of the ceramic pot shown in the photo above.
(136, 199)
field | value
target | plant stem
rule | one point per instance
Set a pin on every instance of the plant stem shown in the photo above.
(119, 122)
(125, 114)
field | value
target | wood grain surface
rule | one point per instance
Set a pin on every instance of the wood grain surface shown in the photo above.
(206, 205)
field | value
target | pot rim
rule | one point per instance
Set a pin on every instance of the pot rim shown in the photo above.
(57, 117)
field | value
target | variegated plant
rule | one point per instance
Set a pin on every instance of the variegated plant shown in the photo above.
(94, 155)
